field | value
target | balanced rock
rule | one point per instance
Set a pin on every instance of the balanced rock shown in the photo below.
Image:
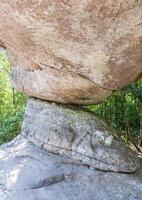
(77, 134)
(72, 51)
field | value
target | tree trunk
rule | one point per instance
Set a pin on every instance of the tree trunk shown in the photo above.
(140, 108)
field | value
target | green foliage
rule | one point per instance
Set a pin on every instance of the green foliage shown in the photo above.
(12, 103)
(123, 111)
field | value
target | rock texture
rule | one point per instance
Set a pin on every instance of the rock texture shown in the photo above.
(27, 172)
(78, 134)
(75, 51)
(57, 156)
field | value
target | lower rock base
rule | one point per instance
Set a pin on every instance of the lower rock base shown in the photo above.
(27, 172)
(77, 133)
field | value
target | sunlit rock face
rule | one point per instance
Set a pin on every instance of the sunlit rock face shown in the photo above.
(30, 173)
(75, 51)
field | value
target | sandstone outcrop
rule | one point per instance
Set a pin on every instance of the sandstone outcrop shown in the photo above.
(77, 134)
(27, 172)
(72, 51)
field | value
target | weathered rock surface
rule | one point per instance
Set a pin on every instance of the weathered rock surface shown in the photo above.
(56, 155)
(72, 51)
(78, 134)
(27, 172)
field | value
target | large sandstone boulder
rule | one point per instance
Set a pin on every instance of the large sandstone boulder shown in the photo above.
(75, 51)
